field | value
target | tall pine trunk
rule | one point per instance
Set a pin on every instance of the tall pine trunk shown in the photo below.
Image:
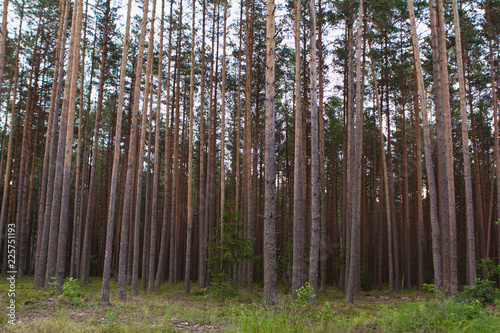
(299, 219)
(85, 261)
(116, 163)
(353, 281)
(270, 273)
(315, 172)
(431, 184)
(148, 99)
(189, 240)
(471, 249)
(163, 239)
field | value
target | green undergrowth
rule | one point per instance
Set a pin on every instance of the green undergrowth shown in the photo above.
(448, 315)
(225, 309)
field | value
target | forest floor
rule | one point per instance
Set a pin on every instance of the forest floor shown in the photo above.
(168, 309)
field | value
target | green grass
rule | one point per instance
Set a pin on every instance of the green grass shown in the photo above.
(169, 310)
(440, 316)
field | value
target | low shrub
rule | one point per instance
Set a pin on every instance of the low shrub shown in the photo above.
(482, 291)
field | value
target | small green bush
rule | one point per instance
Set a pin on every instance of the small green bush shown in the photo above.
(71, 292)
(429, 287)
(305, 295)
(482, 291)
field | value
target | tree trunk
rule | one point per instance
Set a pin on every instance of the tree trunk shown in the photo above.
(9, 168)
(76, 237)
(247, 153)
(270, 273)
(322, 169)
(172, 279)
(189, 240)
(24, 161)
(51, 149)
(420, 189)
(471, 249)
(353, 283)
(127, 200)
(436, 234)
(496, 143)
(315, 172)
(299, 220)
(63, 217)
(64, 143)
(148, 98)
(116, 163)
(386, 186)
(202, 263)
(85, 262)
(349, 140)
(405, 197)
(156, 280)
(443, 64)
(3, 42)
